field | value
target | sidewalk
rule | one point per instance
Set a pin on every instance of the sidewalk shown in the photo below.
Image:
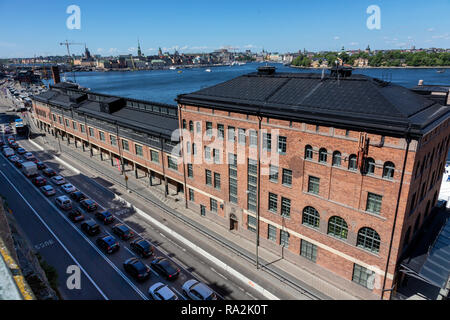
(308, 279)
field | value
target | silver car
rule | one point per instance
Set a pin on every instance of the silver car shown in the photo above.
(161, 291)
(196, 290)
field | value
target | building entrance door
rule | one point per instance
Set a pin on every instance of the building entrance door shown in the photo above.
(233, 222)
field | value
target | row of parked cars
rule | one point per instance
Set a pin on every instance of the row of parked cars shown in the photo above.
(79, 214)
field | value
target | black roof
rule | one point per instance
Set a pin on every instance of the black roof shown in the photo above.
(357, 101)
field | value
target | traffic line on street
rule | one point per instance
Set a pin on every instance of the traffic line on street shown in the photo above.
(56, 237)
(153, 271)
(182, 296)
(139, 292)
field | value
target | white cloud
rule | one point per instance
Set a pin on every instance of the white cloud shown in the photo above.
(112, 50)
(99, 50)
(198, 48)
(131, 49)
(430, 29)
(442, 36)
(150, 49)
(410, 38)
(7, 44)
(353, 43)
(336, 37)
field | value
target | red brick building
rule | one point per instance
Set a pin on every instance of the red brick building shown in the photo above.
(341, 170)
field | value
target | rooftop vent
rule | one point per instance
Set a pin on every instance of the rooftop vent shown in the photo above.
(266, 70)
(341, 71)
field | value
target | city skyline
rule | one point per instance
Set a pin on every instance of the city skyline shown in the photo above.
(205, 27)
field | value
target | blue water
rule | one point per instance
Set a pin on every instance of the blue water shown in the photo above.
(165, 85)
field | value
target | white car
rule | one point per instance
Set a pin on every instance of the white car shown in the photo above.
(58, 180)
(68, 188)
(161, 291)
(196, 290)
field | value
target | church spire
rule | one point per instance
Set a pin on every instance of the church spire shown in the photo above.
(139, 49)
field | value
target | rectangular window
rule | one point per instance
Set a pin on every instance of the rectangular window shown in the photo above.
(273, 174)
(190, 170)
(216, 156)
(82, 128)
(220, 131)
(272, 233)
(172, 163)
(207, 153)
(253, 138)
(91, 132)
(361, 276)
(138, 150)
(217, 181)
(213, 205)
(241, 136)
(191, 195)
(154, 156)
(282, 144)
(287, 177)
(308, 250)
(251, 223)
(267, 141)
(54, 117)
(74, 125)
(252, 178)
(285, 207)
(231, 134)
(208, 177)
(208, 129)
(102, 136)
(232, 173)
(59, 120)
(273, 202)
(125, 145)
(113, 140)
(284, 239)
(373, 203)
(313, 185)
(198, 126)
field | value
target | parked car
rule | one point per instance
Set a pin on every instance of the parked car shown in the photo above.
(198, 291)
(28, 156)
(77, 196)
(108, 243)
(48, 190)
(21, 150)
(39, 181)
(64, 203)
(68, 188)
(40, 165)
(90, 227)
(142, 247)
(105, 216)
(89, 205)
(49, 172)
(166, 268)
(161, 291)
(58, 180)
(14, 145)
(122, 231)
(76, 215)
(13, 158)
(137, 269)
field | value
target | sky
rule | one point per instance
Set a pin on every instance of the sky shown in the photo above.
(37, 27)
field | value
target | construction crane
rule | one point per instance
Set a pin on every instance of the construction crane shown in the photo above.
(67, 44)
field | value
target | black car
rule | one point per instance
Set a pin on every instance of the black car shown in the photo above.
(137, 269)
(90, 227)
(77, 196)
(105, 216)
(49, 172)
(76, 215)
(123, 231)
(108, 243)
(166, 268)
(89, 205)
(14, 145)
(142, 247)
(40, 165)
(18, 163)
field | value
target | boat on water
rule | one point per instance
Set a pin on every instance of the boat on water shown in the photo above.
(179, 71)
(172, 68)
(440, 71)
(208, 70)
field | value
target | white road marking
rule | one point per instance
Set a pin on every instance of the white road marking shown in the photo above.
(182, 296)
(57, 239)
(153, 271)
(130, 251)
(84, 236)
(218, 273)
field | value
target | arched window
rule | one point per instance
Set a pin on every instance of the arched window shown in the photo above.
(311, 217)
(336, 159)
(368, 239)
(388, 170)
(191, 126)
(370, 166)
(337, 227)
(323, 155)
(352, 165)
(308, 152)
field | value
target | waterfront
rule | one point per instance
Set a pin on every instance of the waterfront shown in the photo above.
(165, 85)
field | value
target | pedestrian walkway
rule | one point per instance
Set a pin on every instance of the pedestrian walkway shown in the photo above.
(309, 278)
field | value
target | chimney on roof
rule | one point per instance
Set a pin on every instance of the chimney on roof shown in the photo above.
(266, 70)
(420, 83)
(341, 71)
